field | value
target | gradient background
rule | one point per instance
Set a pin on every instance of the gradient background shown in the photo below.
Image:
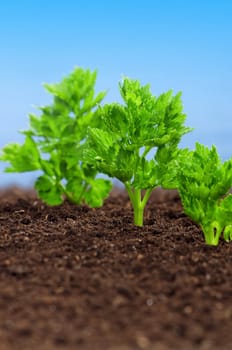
(184, 45)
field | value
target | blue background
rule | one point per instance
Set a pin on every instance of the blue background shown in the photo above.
(184, 45)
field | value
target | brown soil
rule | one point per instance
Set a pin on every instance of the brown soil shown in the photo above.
(87, 279)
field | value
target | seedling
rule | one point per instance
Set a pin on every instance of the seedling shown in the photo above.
(52, 143)
(204, 185)
(122, 148)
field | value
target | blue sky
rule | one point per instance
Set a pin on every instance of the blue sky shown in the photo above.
(184, 45)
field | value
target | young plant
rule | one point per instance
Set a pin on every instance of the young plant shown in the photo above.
(53, 142)
(204, 185)
(129, 133)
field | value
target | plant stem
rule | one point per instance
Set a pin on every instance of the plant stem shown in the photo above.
(138, 209)
(71, 198)
(138, 203)
(212, 233)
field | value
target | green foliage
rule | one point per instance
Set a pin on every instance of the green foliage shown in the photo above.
(129, 132)
(53, 142)
(204, 185)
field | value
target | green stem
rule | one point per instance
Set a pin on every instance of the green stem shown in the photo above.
(69, 195)
(147, 196)
(146, 151)
(228, 233)
(138, 203)
(212, 233)
(138, 209)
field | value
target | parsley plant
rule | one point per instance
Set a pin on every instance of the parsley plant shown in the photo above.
(121, 148)
(53, 142)
(204, 185)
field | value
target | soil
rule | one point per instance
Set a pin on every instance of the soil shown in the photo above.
(72, 277)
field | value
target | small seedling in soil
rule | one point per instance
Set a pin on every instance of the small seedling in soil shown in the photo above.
(204, 185)
(122, 148)
(52, 143)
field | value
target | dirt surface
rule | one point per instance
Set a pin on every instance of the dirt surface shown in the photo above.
(78, 278)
